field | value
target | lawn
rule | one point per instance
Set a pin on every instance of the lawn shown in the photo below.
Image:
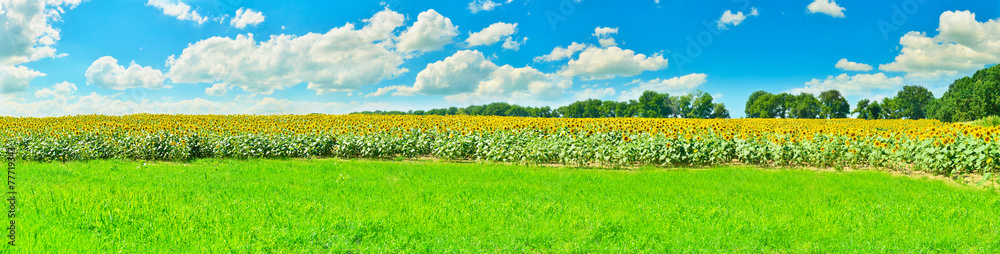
(332, 205)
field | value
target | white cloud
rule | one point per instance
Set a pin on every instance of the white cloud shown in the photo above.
(560, 53)
(734, 19)
(58, 91)
(245, 17)
(607, 42)
(178, 9)
(341, 59)
(682, 84)
(591, 93)
(27, 32)
(524, 85)
(514, 45)
(484, 5)
(382, 25)
(602, 32)
(106, 73)
(492, 34)
(121, 104)
(962, 46)
(846, 65)
(603, 35)
(606, 63)
(431, 32)
(217, 89)
(455, 74)
(468, 77)
(860, 84)
(15, 79)
(384, 90)
(828, 7)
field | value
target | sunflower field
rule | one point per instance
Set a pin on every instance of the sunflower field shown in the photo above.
(925, 145)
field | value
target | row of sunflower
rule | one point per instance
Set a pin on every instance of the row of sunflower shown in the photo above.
(927, 145)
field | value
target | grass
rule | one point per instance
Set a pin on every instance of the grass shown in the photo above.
(988, 121)
(329, 205)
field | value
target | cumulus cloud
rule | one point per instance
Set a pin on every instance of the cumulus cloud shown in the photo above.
(860, 84)
(734, 19)
(846, 65)
(342, 59)
(601, 32)
(682, 84)
(385, 90)
(828, 7)
(606, 63)
(468, 77)
(58, 91)
(178, 9)
(106, 73)
(517, 85)
(484, 5)
(591, 93)
(455, 74)
(26, 35)
(492, 34)
(15, 79)
(603, 35)
(560, 53)
(962, 46)
(217, 89)
(121, 104)
(514, 45)
(431, 32)
(245, 17)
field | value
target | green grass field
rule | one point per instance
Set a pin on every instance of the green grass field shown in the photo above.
(330, 205)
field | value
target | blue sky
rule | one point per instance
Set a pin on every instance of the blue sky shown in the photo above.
(64, 57)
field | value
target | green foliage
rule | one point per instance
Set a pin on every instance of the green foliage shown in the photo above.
(492, 109)
(969, 98)
(912, 102)
(870, 110)
(650, 105)
(804, 106)
(762, 104)
(962, 153)
(834, 105)
(861, 110)
(989, 121)
(337, 206)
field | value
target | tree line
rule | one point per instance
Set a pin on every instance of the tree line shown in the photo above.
(651, 104)
(967, 99)
(830, 104)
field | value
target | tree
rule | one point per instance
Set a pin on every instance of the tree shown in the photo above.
(862, 109)
(890, 108)
(805, 105)
(720, 111)
(626, 109)
(970, 98)
(684, 105)
(701, 105)
(874, 111)
(833, 105)
(751, 109)
(654, 104)
(607, 108)
(782, 103)
(912, 102)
